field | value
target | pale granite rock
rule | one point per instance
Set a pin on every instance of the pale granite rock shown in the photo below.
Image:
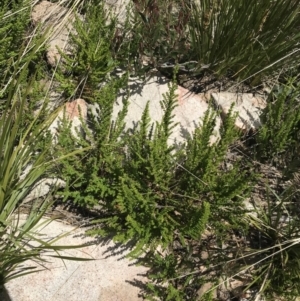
(188, 113)
(248, 107)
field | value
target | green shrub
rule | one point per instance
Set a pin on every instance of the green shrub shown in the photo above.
(151, 194)
(15, 36)
(144, 209)
(81, 73)
(88, 175)
(14, 19)
(277, 139)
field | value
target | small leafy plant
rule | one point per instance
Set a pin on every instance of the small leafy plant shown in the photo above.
(277, 139)
(89, 176)
(81, 73)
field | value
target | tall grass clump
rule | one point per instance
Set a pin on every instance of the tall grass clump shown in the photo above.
(153, 33)
(23, 164)
(271, 260)
(241, 40)
(81, 73)
(278, 138)
(25, 148)
(245, 38)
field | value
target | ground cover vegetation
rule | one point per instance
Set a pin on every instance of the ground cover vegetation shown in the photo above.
(199, 215)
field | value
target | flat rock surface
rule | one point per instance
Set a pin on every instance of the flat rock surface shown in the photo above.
(248, 107)
(118, 8)
(107, 278)
(188, 113)
(59, 20)
(75, 111)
